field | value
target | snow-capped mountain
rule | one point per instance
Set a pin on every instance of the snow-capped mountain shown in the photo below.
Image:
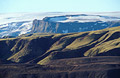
(83, 18)
(75, 23)
(14, 24)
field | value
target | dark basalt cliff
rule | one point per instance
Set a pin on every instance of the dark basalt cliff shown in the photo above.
(93, 54)
(48, 26)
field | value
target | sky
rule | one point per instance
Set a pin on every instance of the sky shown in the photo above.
(13, 6)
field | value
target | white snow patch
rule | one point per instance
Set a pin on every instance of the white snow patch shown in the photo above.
(58, 19)
(103, 25)
(9, 23)
(65, 31)
(88, 18)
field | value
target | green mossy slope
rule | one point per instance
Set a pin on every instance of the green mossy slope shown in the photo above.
(43, 48)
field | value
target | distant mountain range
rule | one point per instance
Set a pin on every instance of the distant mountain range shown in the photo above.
(16, 24)
(48, 26)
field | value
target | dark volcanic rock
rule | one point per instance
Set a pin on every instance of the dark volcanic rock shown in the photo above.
(48, 26)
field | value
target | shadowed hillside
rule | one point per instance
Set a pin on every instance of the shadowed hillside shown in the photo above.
(86, 68)
(94, 54)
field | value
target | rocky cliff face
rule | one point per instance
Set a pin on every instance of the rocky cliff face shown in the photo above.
(16, 24)
(48, 26)
(44, 26)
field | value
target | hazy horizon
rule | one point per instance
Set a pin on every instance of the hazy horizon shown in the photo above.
(15, 6)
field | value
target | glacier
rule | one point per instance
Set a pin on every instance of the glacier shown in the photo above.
(15, 24)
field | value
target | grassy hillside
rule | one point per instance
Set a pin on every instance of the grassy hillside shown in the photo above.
(42, 48)
(85, 67)
(94, 54)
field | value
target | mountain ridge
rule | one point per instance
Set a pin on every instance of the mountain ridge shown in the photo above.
(55, 26)
(15, 24)
(91, 54)
(57, 46)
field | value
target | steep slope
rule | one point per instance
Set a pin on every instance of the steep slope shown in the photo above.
(95, 43)
(42, 48)
(15, 24)
(93, 54)
(73, 23)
